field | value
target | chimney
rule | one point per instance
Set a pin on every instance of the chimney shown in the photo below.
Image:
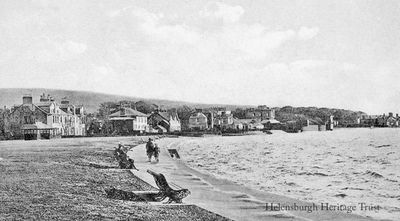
(43, 98)
(27, 99)
(64, 101)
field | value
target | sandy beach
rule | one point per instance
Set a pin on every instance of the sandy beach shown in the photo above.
(254, 110)
(228, 177)
(65, 179)
(351, 167)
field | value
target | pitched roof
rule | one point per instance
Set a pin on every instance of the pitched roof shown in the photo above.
(66, 105)
(129, 112)
(249, 121)
(44, 106)
(237, 121)
(122, 118)
(271, 121)
(44, 103)
(165, 115)
(168, 115)
(32, 105)
(198, 114)
(314, 122)
(161, 127)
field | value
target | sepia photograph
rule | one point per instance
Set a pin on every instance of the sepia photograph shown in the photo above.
(200, 110)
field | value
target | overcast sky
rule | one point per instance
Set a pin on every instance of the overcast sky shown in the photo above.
(343, 54)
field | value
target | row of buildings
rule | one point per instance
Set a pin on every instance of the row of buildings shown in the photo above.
(384, 120)
(129, 121)
(221, 119)
(315, 126)
(44, 119)
(48, 118)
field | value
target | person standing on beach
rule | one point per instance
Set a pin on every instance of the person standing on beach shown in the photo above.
(150, 149)
(121, 156)
(118, 151)
(156, 152)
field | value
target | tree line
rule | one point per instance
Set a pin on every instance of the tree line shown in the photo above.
(98, 123)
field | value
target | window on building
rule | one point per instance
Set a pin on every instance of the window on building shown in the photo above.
(27, 120)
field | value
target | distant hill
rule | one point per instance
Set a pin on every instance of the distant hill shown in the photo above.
(91, 100)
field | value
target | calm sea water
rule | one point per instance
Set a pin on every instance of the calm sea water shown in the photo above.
(346, 166)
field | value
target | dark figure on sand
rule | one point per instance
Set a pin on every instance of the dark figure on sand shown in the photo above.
(124, 161)
(152, 149)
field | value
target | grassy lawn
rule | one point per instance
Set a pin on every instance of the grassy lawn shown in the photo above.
(58, 180)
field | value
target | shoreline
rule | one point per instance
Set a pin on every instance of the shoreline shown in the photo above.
(225, 197)
(276, 166)
(240, 199)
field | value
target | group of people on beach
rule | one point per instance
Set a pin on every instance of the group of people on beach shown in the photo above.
(125, 162)
(152, 149)
(121, 155)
